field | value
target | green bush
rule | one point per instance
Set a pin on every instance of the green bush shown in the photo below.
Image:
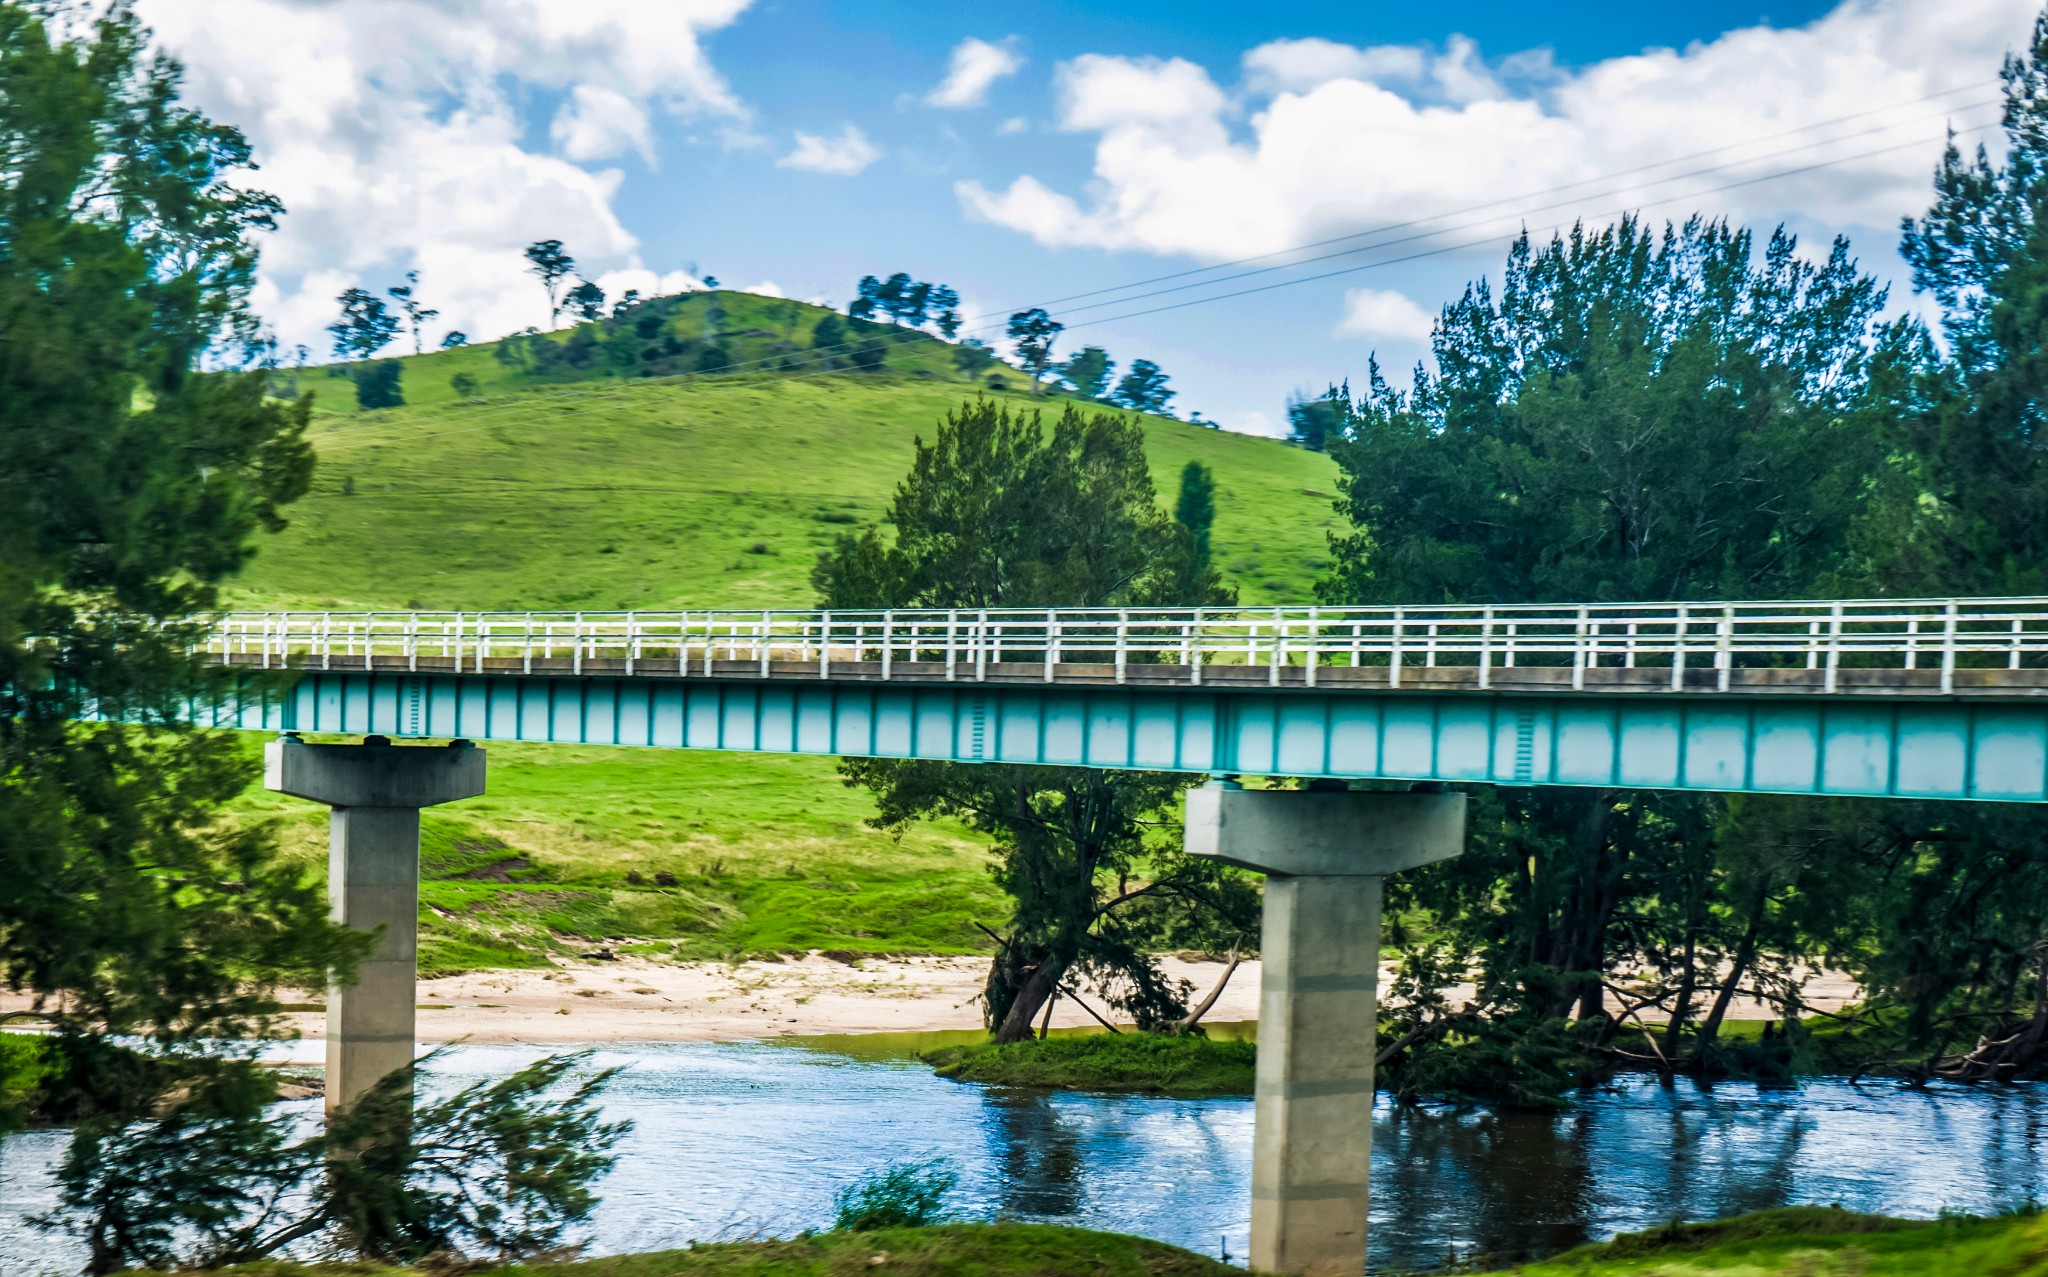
(905, 1195)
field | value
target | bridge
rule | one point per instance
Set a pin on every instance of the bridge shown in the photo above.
(1921, 699)
(1934, 699)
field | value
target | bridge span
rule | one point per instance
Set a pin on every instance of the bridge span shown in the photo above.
(1910, 699)
(1943, 698)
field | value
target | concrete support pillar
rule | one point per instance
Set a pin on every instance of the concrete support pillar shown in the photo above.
(373, 882)
(1324, 854)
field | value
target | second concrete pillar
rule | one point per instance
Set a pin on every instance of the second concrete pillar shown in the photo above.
(1325, 855)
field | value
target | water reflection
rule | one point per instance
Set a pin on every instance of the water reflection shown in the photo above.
(749, 1139)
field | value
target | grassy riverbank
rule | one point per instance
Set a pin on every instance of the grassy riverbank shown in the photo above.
(1796, 1242)
(1814, 1242)
(1136, 1062)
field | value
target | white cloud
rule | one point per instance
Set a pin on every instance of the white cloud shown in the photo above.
(976, 65)
(841, 156)
(393, 132)
(1014, 125)
(1382, 313)
(597, 124)
(1323, 139)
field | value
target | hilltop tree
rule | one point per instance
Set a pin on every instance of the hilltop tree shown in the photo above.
(1033, 333)
(455, 340)
(945, 306)
(586, 302)
(547, 262)
(416, 315)
(1317, 423)
(996, 512)
(366, 325)
(1089, 372)
(1143, 388)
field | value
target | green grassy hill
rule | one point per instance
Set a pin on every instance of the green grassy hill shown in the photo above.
(593, 469)
(573, 481)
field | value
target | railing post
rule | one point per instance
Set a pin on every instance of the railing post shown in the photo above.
(1123, 632)
(1948, 648)
(1394, 651)
(710, 639)
(981, 646)
(1678, 627)
(327, 641)
(825, 644)
(888, 637)
(767, 624)
(1912, 641)
(632, 639)
(1579, 654)
(1834, 647)
(576, 647)
(1315, 638)
(1279, 650)
(1052, 643)
(526, 666)
(952, 633)
(1193, 648)
(1486, 649)
(1724, 655)
(2018, 634)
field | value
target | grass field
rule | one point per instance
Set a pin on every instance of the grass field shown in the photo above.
(615, 492)
(591, 487)
(762, 854)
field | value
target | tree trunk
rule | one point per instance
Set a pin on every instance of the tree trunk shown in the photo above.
(1745, 953)
(1193, 1017)
(1024, 1008)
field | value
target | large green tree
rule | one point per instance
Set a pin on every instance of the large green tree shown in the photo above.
(999, 512)
(130, 484)
(1635, 415)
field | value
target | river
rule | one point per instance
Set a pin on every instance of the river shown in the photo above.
(750, 1139)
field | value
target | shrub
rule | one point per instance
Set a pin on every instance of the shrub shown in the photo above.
(905, 1195)
(377, 384)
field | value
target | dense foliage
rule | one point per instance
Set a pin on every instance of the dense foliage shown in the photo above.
(1684, 414)
(998, 512)
(130, 485)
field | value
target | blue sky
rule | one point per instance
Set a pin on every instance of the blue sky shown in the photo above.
(1108, 144)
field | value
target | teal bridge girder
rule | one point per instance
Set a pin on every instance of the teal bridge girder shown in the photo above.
(1913, 699)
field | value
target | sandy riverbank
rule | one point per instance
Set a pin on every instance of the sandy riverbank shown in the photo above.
(635, 999)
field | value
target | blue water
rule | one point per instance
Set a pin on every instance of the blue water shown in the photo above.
(741, 1140)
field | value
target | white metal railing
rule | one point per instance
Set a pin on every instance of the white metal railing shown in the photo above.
(1698, 643)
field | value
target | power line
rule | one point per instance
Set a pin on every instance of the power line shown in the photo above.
(524, 409)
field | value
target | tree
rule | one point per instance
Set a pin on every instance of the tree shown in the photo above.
(1089, 372)
(1033, 333)
(945, 305)
(1143, 388)
(828, 334)
(1317, 423)
(1967, 501)
(627, 301)
(464, 385)
(416, 315)
(996, 512)
(972, 355)
(379, 384)
(366, 325)
(547, 262)
(1195, 509)
(500, 1169)
(1638, 416)
(138, 924)
(455, 340)
(586, 302)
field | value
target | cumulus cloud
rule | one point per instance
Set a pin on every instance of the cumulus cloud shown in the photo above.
(1320, 138)
(393, 131)
(976, 66)
(1383, 314)
(841, 156)
(597, 124)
